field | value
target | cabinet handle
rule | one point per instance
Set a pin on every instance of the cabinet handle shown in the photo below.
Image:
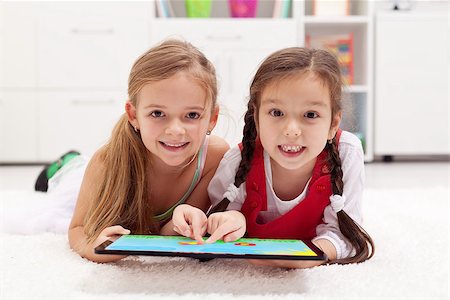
(92, 102)
(236, 37)
(92, 31)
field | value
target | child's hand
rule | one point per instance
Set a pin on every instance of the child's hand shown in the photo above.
(228, 226)
(190, 222)
(325, 245)
(111, 233)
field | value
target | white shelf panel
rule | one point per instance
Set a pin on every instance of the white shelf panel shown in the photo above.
(357, 88)
(329, 20)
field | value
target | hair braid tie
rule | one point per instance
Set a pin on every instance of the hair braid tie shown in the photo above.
(231, 193)
(337, 202)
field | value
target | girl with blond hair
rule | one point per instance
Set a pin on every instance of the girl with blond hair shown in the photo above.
(160, 154)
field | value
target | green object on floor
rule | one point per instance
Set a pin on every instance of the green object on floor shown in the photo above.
(50, 170)
(56, 165)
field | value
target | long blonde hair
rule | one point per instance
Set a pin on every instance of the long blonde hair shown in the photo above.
(123, 195)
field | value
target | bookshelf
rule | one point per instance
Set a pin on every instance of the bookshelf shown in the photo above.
(358, 95)
(221, 9)
(237, 46)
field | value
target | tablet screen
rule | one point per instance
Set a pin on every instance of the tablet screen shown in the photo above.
(182, 246)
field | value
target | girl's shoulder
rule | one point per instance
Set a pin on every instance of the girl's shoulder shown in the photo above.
(217, 147)
(349, 138)
(97, 161)
(350, 146)
(231, 160)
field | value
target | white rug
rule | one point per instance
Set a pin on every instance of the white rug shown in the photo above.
(410, 229)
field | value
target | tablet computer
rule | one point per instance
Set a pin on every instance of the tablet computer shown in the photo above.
(250, 248)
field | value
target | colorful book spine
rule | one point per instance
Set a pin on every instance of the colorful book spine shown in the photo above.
(285, 8)
(276, 8)
(281, 8)
(164, 9)
(331, 7)
(340, 45)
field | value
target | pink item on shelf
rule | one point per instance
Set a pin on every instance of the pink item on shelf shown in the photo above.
(243, 8)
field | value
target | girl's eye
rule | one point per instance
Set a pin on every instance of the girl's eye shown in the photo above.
(311, 115)
(193, 115)
(276, 113)
(157, 114)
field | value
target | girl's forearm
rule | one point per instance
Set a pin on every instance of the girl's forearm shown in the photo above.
(78, 242)
(327, 247)
(323, 244)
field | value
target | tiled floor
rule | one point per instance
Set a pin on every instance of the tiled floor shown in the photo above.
(378, 175)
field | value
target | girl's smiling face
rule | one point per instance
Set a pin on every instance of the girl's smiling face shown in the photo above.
(294, 120)
(173, 116)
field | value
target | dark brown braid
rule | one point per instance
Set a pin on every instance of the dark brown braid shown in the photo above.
(357, 236)
(248, 148)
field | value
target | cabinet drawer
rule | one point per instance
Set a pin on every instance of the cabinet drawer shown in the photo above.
(17, 45)
(82, 121)
(18, 127)
(228, 34)
(88, 51)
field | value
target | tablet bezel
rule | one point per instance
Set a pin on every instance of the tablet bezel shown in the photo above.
(101, 249)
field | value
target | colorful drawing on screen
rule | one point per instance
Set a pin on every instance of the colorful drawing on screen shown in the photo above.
(188, 243)
(244, 244)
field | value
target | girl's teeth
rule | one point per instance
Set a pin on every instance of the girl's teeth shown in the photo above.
(291, 148)
(174, 145)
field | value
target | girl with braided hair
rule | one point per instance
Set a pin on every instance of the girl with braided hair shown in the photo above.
(296, 174)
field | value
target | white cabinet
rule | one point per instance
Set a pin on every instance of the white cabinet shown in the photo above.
(64, 69)
(18, 126)
(412, 77)
(17, 45)
(88, 51)
(79, 120)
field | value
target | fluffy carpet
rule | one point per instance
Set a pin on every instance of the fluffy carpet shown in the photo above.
(410, 229)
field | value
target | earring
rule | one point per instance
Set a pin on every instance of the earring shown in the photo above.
(208, 132)
(330, 141)
(136, 129)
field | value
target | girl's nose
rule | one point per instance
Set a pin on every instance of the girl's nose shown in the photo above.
(175, 128)
(292, 129)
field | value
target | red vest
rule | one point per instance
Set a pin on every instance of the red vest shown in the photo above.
(301, 221)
